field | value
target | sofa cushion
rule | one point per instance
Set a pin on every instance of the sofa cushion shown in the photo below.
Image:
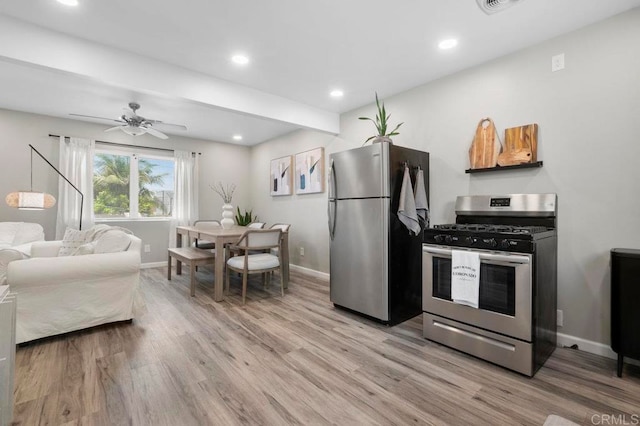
(28, 233)
(17, 233)
(8, 233)
(112, 242)
(72, 240)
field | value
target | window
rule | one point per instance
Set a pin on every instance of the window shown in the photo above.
(132, 185)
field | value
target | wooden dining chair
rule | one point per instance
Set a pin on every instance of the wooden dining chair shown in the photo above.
(256, 225)
(284, 227)
(256, 263)
(203, 224)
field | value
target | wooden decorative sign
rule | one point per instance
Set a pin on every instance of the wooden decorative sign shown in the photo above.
(485, 146)
(520, 145)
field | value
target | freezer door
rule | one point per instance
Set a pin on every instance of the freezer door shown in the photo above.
(359, 256)
(360, 173)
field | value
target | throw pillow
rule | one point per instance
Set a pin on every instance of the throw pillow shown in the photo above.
(88, 248)
(112, 242)
(72, 240)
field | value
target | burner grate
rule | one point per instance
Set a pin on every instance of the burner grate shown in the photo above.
(491, 228)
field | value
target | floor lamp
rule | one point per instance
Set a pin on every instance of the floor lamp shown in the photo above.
(33, 200)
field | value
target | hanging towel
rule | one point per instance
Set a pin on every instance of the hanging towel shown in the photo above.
(465, 277)
(407, 206)
(422, 207)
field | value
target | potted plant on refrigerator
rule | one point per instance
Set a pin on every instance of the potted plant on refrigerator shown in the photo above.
(381, 122)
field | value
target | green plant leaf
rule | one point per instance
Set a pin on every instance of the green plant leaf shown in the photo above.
(381, 121)
(393, 132)
(243, 219)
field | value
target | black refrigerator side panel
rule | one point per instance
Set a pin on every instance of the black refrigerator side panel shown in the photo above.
(405, 251)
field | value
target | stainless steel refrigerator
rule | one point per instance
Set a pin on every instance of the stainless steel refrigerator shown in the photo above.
(375, 264)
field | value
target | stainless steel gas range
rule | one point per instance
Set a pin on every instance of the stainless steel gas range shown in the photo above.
(515, 239)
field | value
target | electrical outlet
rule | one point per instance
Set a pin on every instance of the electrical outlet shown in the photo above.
(557, 62)
(560, 318)
(147, 248)
(301, 251)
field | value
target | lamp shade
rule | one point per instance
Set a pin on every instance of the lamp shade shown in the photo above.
(30, 200)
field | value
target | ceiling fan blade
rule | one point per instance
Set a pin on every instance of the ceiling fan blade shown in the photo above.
(154, 132)
(162, 123)
(99, 118)
(111, 129)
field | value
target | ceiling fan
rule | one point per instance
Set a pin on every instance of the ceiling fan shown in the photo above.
(493, 6)
(136, 125)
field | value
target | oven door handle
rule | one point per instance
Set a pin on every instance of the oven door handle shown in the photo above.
(511, 258)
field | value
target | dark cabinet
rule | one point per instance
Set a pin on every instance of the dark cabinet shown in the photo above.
(625, 302)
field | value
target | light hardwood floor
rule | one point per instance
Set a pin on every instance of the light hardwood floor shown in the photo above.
(293, 360)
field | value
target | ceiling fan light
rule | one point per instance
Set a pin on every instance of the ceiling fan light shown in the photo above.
(133, 130)
(30, 200)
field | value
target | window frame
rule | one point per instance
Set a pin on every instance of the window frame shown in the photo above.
(134, 180)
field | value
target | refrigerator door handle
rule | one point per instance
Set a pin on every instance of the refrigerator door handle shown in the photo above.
(332, 217)
(332, 181)
(331, 206)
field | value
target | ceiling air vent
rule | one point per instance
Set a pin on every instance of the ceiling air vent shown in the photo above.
(493, 6)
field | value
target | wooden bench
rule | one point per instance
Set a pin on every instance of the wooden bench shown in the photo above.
(191, 256)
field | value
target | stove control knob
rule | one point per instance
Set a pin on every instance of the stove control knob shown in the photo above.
(469, 240)
(448, 239)
(438, 238)
(504, 244)
(492, 242)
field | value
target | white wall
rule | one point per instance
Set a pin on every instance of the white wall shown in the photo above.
(218, 162)
(589, 130)
(589, 125)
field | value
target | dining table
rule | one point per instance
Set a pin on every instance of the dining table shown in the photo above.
(222, 238)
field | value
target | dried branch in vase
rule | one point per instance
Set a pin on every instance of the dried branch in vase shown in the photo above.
(225, 192)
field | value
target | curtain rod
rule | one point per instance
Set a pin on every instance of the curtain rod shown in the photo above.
(126, 145)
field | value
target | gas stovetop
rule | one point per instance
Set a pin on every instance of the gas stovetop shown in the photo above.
(504, 222)
(487, 228)
(488, 236)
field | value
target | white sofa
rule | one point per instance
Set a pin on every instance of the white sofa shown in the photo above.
(18, 234)
(15, 243)
(61, 294)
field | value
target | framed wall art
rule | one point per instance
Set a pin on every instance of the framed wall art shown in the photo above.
(280, 176)
(309, 174)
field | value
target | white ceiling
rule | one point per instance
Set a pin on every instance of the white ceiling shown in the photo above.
(174, 57)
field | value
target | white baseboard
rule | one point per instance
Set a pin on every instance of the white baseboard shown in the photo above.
(586, 345)
(591, 347)
(153, 265)
(311, 272)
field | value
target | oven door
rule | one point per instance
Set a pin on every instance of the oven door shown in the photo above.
(505, 291)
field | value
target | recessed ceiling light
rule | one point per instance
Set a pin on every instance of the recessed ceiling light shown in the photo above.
(336, 93)
(237, 137)
(448, 43)
(69, 2)
(240, 59)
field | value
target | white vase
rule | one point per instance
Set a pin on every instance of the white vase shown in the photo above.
(227, 216)
(379, 139)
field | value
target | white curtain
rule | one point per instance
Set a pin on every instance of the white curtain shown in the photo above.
(76, 164)
(185, 209)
